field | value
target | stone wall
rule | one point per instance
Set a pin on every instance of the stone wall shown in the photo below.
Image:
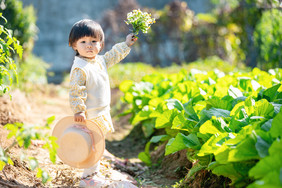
(55, 19)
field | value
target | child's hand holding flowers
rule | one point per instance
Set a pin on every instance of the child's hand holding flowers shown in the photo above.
(140, 21)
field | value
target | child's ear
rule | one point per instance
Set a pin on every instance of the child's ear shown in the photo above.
(74, 47)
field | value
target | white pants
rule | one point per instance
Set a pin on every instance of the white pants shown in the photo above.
(90, 171)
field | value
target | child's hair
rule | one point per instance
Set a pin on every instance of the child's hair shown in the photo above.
(86, 27)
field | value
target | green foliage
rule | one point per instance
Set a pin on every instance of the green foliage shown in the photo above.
(23, 136)
(21, 21)
(32, 70)
(135, 71)
(268, 37)
(9, 46)
(228, 123)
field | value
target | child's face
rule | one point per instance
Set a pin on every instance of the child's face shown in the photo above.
(87, 47)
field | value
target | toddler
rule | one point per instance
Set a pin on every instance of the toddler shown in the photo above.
(90, 93)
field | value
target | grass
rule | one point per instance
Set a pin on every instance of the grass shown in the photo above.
(135, 71)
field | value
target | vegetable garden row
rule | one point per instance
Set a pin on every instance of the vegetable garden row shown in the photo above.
(230, 124)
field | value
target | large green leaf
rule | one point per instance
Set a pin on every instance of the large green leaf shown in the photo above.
(156, 139)
(244, 82)
(208, 127)
(276, 128)
(271, 92)
(267, 125)
(174, 103)
(216, 112)
(195, 168)
(246, 150)
(165, 119)
(269, 169)
(234, 92)
(263, 108)
(126, 85)
(148, 127)
(145, 157)
(181, 142)
(271, 180)
(276, 147)
(221, 103)
(141, 115)
(262, 147)
(227, 170)
(189, 110)
(181, 123)
(266, 165)
(210, 146)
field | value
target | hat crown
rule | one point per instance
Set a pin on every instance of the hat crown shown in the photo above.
(75, 144)
(83, 142)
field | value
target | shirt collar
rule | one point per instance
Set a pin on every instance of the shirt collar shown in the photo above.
(88, 60)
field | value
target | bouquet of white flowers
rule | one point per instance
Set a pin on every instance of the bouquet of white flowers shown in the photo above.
(140, 21)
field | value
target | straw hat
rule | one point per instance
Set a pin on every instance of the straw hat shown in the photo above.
(81, 145)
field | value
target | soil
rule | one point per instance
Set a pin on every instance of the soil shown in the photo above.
(120, 164)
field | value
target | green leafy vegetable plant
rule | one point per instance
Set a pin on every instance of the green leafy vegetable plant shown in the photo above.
(23, 136)
(9, 45)
(228, 123)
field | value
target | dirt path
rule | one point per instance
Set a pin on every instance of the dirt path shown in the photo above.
(119, 164)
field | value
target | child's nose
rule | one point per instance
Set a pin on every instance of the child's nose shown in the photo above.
(89, 45)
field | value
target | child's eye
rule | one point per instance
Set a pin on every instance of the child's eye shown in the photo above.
(94, 41)
(82, 41)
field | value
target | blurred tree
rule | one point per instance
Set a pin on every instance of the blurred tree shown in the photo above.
(268, 39)
(8, 45)
(246, 14)
(22, 21)
(230, 31)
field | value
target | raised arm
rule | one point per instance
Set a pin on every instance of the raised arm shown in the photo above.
(119, 51)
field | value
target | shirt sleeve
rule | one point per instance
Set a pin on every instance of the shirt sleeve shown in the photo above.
(77, 93)
(116, 54)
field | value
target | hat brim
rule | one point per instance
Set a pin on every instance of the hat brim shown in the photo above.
(99, 141)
